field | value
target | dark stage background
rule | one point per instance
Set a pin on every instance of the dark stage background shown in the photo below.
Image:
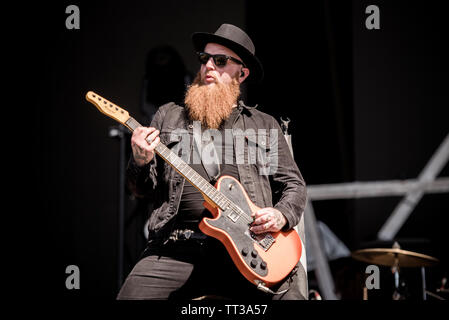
(364, 105)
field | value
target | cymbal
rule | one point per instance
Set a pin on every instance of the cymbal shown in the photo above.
(394, 257)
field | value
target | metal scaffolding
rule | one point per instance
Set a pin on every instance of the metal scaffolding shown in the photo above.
(413, 190)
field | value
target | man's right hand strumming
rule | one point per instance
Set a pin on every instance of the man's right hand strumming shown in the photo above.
(143, 151)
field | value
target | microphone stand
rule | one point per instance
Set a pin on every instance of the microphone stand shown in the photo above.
(118, 132)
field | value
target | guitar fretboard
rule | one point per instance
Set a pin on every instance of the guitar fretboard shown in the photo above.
(186, 171)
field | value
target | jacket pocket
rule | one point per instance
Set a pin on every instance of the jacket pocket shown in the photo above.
(262, 153)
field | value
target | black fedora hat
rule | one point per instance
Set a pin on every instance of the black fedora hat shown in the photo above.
(238, 41)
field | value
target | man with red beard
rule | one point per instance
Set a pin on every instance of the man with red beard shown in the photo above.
(181, 262)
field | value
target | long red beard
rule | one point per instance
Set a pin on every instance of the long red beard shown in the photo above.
(211, 104)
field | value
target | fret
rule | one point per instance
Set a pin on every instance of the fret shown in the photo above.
(169, 157)
(185, 169)
(216, 193)
(204, 187)
(161, 150)
(209, 189)
(221, 203)
(198, 181)
(132, 124)
(212, 191)
(218, 198)
(215, 198)
(202, 184)
(182, 167)
(188, 171)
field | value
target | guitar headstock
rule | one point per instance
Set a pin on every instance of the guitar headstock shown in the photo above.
(108, 108)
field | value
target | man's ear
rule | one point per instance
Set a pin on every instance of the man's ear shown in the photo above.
(243, 74)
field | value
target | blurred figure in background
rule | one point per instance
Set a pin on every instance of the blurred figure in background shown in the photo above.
(166, 79)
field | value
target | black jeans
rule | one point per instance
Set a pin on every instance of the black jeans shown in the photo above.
(190, 269)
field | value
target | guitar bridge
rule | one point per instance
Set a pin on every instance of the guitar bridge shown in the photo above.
(265, 240)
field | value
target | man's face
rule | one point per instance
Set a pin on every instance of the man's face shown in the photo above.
(210, 73)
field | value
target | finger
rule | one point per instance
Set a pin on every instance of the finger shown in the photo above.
(140, 134)
(266, 227)
(140, 146)
(260, 212)
(264, 219)
(150, 138)
(154, 144)
(143, 132)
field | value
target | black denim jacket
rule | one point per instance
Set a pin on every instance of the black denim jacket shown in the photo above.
(283, 186)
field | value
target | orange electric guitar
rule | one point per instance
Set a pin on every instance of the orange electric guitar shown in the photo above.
(263, 259)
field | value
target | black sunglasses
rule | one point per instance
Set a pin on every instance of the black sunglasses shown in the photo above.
(220, 60)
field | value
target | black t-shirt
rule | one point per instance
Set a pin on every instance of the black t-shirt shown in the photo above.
(191, 209)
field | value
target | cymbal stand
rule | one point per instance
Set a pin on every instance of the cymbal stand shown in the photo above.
(395, 270)
(423, 277)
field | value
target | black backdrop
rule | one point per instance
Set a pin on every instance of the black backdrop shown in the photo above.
(365, 105)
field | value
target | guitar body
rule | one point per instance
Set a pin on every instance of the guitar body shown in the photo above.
(266, 258)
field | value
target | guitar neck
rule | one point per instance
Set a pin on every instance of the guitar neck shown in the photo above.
(212, 195)
(185, 170)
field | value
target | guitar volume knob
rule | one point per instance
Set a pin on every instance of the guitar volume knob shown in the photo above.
(253, 263)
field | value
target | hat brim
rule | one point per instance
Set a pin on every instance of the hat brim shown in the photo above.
(200, 39)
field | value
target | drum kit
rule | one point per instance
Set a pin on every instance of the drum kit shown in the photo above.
(397, 258)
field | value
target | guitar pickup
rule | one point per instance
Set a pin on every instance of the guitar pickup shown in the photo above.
(234, 216)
